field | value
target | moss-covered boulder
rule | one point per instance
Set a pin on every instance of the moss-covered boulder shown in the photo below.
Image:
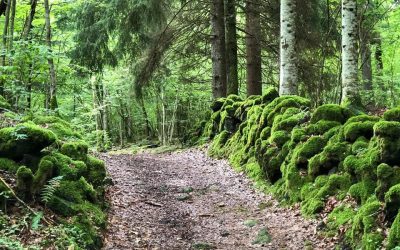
(58, 126)
(331, 112)
(77, 150)
(25, 138)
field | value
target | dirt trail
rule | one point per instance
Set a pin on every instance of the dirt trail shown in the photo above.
(185, 200)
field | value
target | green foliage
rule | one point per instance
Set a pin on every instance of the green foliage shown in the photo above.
(50, 188)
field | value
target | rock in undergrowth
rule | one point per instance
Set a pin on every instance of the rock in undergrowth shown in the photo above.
(312, 156)
(45, 150)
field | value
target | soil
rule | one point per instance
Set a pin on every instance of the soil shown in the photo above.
(186, 200)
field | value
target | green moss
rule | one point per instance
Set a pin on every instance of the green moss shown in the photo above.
(76, 191)
(363, 190)
(360, 146)
(305, 151)
(96, 171)
(217, 146)
(58, 126)
(44, 173)
(387, 129)
(25, 138)
(387, 177)
(392, 201)
(340, 216)
(24, 182)
(76, 150)
(217, 104)
(281, 104)
(354, 130)
(394, 234)
(331, 112)
(279, 138)
(269, 95)
(312, 206)
(314, 195)
(322, 127)
(392, 115)
(234, 98)
(8, 165)
(364, 230)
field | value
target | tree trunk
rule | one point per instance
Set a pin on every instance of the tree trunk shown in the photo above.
(29, 20)
(52, 71)
(350, 83)
(253, 48)
(231, 47)
(288, 58)
(366, 64)
(4, 43)
(12, 26)
(218, 49)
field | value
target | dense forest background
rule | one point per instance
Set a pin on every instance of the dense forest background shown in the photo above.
(127, 71)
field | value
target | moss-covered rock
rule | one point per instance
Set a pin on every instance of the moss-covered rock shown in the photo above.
(58, 126)
(77, 150)
(331, 112)
(392, 202)
(8, 165)
(24, 182)
(25, 138)
(392, 115)
(394, 235)
(364, 232)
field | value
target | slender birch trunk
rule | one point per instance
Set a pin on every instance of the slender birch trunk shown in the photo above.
(350, 85)
(218, 49)
(288, 56)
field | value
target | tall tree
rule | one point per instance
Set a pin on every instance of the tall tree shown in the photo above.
(29, 19)
(253, 48)
(12, 25)
(53, 81)
(231, 47)
(218, 52)
(350, 85)
(288, 59)
(4, 42)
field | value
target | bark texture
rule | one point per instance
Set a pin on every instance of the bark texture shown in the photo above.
(52, 71)
(218, 49)
(253, 48)
(288, 58)
(350, 85)
(4, 42)
(231, 47)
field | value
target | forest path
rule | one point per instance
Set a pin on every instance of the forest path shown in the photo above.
(186, 200)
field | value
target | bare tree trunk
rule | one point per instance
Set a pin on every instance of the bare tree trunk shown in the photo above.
(253, 48)
(29, 20)
(12, 26)
(218, 49)
(366, 64)
(4, 43)
(350, 53)
(52, 71)
(288, 58)
(231, 47)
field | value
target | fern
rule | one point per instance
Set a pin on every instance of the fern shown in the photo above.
(50, 188)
